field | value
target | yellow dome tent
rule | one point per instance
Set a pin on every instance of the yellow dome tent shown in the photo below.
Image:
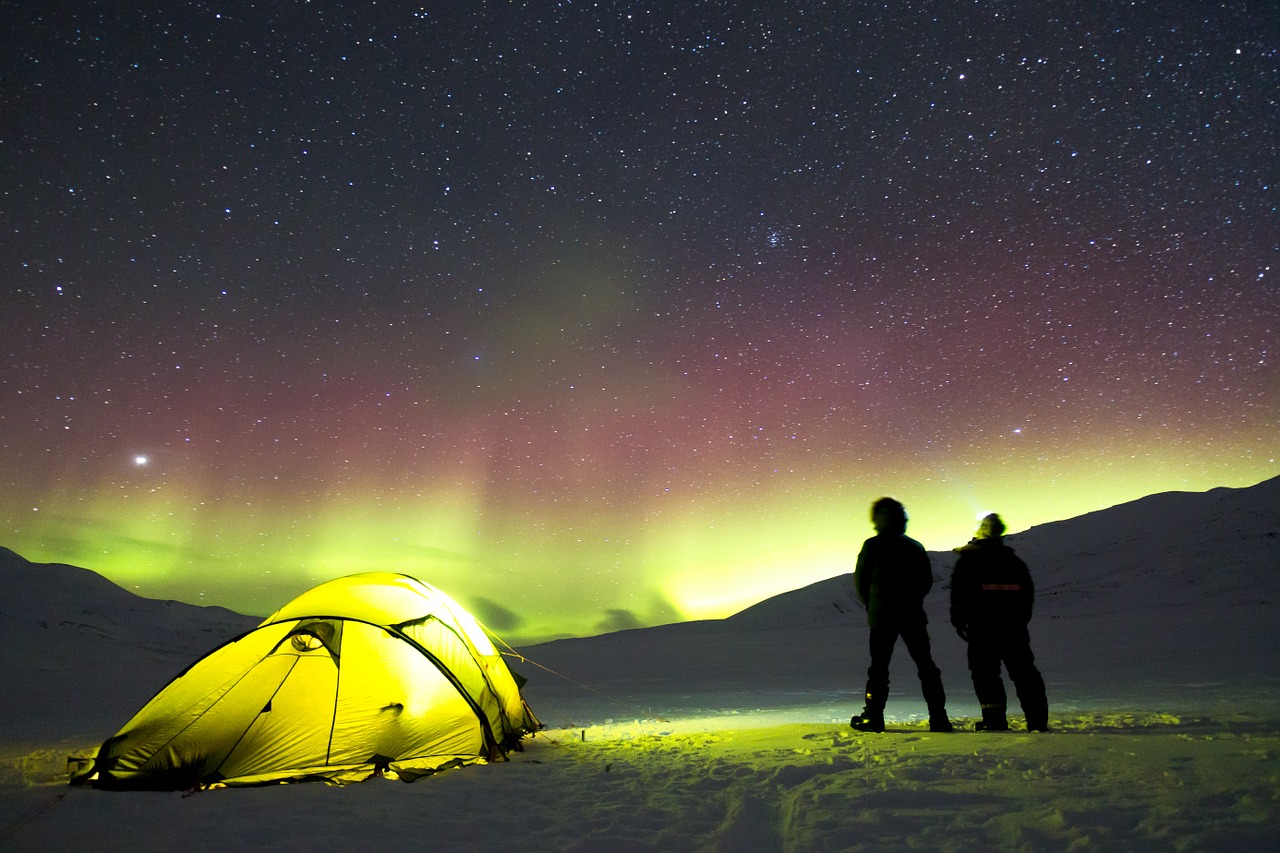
(372, 674)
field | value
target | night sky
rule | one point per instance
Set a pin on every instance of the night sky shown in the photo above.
(600, 314)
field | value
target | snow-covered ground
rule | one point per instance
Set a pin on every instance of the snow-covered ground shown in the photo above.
(1157, 629)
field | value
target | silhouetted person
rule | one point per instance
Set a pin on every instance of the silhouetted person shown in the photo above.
(892, 578)
(991, 600)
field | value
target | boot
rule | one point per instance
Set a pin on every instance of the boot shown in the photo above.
(1038, 722)
(868, 721)
(940, 723)
(1036, 709)
(872, 717)
(993, 720)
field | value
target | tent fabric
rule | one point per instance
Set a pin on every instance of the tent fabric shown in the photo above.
(371, 674)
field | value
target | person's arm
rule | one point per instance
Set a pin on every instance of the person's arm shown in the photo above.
(960, 598)
(862, 575)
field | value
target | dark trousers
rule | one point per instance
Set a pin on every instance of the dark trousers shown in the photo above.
(987, 650)
(916, 639)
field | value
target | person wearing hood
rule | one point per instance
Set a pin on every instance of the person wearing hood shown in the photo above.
(892, 577)
(991, 601)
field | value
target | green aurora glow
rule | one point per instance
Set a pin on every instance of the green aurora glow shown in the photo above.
(538, 573)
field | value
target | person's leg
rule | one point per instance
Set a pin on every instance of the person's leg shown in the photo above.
(1028, 682)
(883, 639)
(916, 639)
(984, 668)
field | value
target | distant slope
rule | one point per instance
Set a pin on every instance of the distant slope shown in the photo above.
(83, 604)
(77, 644)
(1167, 589)
(1168, 549)
(828, 601)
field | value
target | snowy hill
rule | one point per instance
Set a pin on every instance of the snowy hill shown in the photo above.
(79, 606)
(1172, 549)
(79, 646)
(1169, 549)
(1151, 601)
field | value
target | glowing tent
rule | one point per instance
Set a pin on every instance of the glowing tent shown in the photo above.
(372, 674)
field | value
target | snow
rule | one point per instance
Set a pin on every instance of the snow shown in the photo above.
(1156, 629)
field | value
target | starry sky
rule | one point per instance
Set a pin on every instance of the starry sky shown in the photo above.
(606, 314)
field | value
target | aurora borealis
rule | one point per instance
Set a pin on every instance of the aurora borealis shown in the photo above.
(598, 315)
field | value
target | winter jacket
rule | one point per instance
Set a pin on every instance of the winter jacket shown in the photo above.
(991, 588)
(892, 578)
